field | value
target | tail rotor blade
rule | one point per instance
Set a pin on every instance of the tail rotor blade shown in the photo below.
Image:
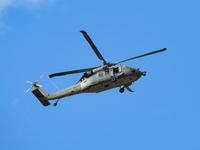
(39, 78)
(29, 82)
(39, 85)
(34, 84)
(29, 89)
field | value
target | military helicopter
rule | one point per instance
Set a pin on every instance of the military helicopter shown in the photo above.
(94, 80)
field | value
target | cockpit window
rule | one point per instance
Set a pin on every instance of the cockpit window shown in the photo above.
(125, 67)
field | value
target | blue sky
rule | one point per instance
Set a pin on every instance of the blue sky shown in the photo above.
(40, 37)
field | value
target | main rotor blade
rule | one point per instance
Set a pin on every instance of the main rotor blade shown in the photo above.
(71, 72)
(93, 46)
(142, 55)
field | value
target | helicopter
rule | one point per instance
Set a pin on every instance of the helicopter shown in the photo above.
(95, 79)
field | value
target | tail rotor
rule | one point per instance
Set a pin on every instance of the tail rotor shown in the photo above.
(34, 84)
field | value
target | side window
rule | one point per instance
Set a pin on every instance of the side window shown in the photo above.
(116, 70)
(83, 78)
(106, 72)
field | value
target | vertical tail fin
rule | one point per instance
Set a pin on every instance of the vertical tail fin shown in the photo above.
(41, 96)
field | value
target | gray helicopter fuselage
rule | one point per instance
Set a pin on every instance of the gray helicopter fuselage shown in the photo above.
(100, 80)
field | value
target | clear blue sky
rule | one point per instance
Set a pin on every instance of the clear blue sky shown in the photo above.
(40, 37)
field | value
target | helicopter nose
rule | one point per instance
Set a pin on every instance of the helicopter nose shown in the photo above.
(133, 70)
(137, 71)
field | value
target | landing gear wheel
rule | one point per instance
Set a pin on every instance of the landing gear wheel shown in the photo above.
(121, 90)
